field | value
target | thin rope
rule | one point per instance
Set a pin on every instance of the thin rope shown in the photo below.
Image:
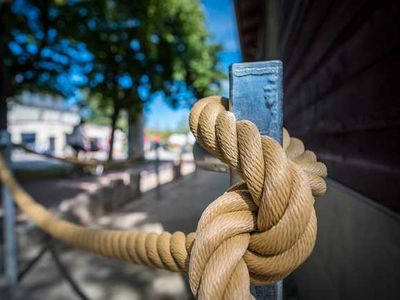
(76, 161)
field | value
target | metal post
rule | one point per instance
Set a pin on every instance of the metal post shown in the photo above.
(256, 95)
(10, 244)
(158, 176)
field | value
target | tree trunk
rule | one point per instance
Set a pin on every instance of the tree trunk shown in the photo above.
(135, 135)
(3, 107)
(5, 84)
(114, 119)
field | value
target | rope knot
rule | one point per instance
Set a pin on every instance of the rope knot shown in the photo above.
(258, 231)
(262, 228)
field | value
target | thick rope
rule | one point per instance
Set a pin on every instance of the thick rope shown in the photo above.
(258, 231)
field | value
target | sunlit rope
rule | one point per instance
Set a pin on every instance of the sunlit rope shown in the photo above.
(258, 231)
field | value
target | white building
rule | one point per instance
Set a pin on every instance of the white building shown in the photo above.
(43, 121)
(101, 134)
(181, 139)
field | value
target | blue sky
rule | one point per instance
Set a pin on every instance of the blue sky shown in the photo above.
(220, 19)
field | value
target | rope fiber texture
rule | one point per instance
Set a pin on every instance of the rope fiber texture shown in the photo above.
(258, 231)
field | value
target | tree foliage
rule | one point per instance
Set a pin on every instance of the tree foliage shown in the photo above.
(121, 53)
(35, 56)
(146, 47)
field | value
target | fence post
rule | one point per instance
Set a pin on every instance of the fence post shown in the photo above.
(256, 95)
(9, 235)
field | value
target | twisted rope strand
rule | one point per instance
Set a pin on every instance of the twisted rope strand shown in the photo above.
(258, 231)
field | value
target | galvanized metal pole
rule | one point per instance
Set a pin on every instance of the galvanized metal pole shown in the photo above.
(10, 244)
(256, 95)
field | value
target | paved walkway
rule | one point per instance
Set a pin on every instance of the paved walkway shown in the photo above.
(100, 278)
(61, 188)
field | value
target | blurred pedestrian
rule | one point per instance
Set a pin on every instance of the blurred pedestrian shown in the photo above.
(78, 139)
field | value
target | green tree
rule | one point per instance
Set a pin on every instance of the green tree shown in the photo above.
(34, 55)
(145, 48)
(124, 53)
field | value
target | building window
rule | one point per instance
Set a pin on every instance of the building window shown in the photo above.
(29, 139)
(52, 145)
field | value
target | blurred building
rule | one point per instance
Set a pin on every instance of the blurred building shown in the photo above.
(181, 139)
(100, 136)
(43, 122)
(341, 97)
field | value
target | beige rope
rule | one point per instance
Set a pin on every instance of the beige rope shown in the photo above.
(258, 231)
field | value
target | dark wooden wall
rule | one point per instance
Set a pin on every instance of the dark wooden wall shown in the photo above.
(342, 89)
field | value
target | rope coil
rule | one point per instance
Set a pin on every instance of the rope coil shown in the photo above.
(258, 231)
